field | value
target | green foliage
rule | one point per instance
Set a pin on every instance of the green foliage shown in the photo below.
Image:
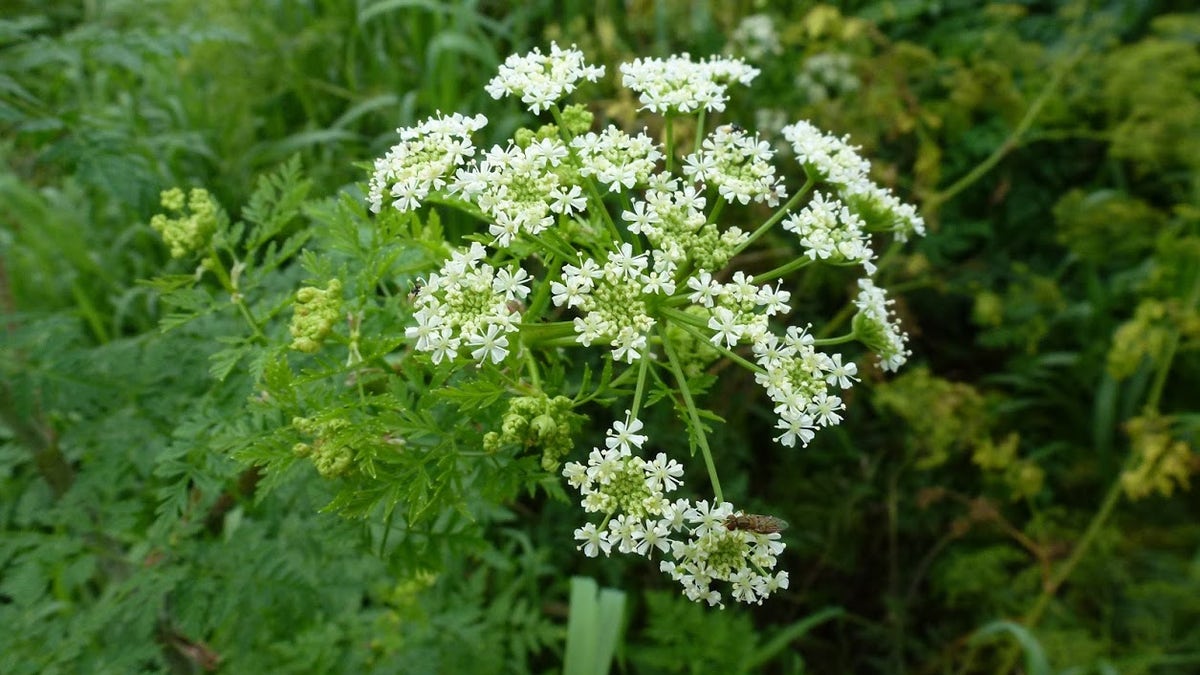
(182, 492)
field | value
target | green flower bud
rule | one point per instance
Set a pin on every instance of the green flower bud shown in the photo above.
(523, 137)
(491, 442)
(1024, 479)
(577, 119)
(1145, 335)
(1162, 462)
(330, 455)
(194, 225)
(537, 421)
(544, 427)
(316, 312)
(332, 460)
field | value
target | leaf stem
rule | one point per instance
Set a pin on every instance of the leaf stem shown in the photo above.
(775, 217)
(694, 417)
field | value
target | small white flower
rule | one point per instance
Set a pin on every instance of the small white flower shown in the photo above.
(774, 300)
(725, 327)
(491, 344)
(663, 474)
(824, 407)
(649, 538)
(842, 375)
(706, 289)
(513, 285)
(567, 201)
(625, 531)
(623, 436)
(589, 328)
(660, 281)
(795, 426)
(640, 217)
(443, 345)
(628, 345)
(625, 263)
(576, 475)
(708, 518)
(594, 541)
(570, 293)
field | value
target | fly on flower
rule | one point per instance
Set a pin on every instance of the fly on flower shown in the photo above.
(416, 290)
(753, 522)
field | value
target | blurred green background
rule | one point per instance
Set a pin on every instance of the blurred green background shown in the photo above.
(1026, 474)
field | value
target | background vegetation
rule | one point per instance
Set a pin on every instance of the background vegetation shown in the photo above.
(1017, 499)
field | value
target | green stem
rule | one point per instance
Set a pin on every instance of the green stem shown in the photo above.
(589, 182)
(615, 382)
(787, 268)
(459, 205)
(1012, 142)
(716, 210)
(541, 298)
(840, 340)
(694, 416)
(699, 130)
(688, 324)
(531, 366)
(643, 370)
(558, 252)
(776, 217)
(235, 295)
(539, 334)
(844, 313)
(1111, 498)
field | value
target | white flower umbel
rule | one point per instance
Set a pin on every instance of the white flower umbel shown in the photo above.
(617, 159)
(612, 299)
(678, 84)
(673, 220)
(423, 159)
(520, 189)
(877, 327)
(830, 158)
(835, 161)
(740, 308)
(468, 303)
(542, 80)
(716, 552)
(695, 542)
(738, 165)
(831, 231)
(882, 211)
(797, 378)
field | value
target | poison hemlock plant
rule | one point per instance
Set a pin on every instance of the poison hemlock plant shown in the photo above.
(595, 249)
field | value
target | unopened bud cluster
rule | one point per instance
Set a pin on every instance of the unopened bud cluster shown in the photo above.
(316, 312)
(192, 222)
(537, 421)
